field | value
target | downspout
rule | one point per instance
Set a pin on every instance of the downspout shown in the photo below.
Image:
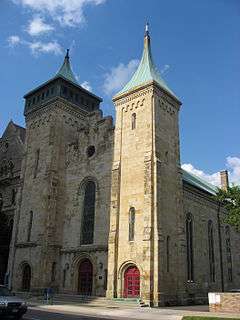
(220, 245)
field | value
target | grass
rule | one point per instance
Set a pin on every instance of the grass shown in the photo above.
(206, 318)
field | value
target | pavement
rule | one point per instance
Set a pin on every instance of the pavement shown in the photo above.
(86, 312)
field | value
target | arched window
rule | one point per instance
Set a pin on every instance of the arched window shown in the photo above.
(53, 273)
(88, 213)
(189, 231)
(229, 253)
(37, 155)
(211, 251)
(13, 200)
(30, 221)
(1, 202)
(131, 224)
(168, 252)
(134, 121)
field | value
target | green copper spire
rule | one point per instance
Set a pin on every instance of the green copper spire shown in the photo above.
(65, 71)
(146, 70)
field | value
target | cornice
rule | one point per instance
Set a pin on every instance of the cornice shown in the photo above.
(57, 103)
(85, 248)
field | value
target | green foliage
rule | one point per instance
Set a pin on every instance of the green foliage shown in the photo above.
(206, 318)
(230, 199)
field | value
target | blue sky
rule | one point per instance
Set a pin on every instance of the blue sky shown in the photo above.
(195, 45)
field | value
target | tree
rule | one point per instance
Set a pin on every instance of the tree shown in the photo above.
(230, 199)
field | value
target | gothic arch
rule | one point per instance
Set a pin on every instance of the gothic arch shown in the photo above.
(75, 270)
(83, 183)
(121, 271)
(25, 270)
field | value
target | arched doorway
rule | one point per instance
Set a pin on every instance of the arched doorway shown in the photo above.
(131, 282)
(26, 278)
(85, 278)
(5, 240)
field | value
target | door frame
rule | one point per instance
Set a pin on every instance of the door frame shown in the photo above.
(78, 284)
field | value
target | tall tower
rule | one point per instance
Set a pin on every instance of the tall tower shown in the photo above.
(54, 112)
(146, 199)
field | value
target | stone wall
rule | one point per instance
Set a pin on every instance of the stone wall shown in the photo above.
(224, 302)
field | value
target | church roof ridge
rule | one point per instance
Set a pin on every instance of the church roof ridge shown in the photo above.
(199, 182)
(146, 71)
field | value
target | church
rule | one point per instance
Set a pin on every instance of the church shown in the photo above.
(94, 208)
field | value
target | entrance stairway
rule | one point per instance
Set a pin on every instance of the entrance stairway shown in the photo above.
(68, 299)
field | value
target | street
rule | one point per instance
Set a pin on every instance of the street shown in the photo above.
(49, 315)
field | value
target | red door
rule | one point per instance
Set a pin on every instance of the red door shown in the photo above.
(132, 282)
(85, 278)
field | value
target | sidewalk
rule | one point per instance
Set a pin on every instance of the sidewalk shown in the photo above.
(170, 313)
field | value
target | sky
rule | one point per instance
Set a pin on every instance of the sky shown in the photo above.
(195, 45)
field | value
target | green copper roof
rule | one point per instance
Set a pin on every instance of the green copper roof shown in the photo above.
(198, 182)
(65, 71)
(146, 70)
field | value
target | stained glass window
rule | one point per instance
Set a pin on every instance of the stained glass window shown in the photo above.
(211, 251)
(88, 213)
(189, 231)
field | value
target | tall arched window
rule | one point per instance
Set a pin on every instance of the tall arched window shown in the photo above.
(53, 273)
(189, 231)
(229, 253)
(30, 222)
(36, 163)
(168, 252)
(131, 224)
(134, 121)
(211, 251)
(1, 202)
(88, 213)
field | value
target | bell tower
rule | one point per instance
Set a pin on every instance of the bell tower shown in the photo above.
(146, 198)
(54, 112)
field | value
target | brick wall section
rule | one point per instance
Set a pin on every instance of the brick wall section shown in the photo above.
(224, 302)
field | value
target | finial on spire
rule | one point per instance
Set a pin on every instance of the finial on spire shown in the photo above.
(147, 29)
(67, 54)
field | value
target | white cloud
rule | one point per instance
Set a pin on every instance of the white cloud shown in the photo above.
(232, 164)
(66, 12)
(37, 47)
(211, 178)
(13, 40)
(45, 47)
(119, 76)
(86, 85)
(37, 26)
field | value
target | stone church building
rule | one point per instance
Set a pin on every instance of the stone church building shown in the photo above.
(95, 209)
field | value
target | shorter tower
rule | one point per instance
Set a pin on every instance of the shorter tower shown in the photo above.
(54, 111)
(146, 200)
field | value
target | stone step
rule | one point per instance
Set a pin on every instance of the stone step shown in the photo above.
(92, 301)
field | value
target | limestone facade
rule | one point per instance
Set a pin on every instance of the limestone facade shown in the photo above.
(107, 211)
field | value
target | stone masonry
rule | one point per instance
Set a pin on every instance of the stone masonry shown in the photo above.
(108, 211)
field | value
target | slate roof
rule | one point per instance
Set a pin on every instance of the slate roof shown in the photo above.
(66, 71)
(146, 71)
(198, 182)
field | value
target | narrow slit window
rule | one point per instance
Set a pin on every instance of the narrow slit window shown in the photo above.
(168, 252)
(30, 222)
(229, 253)
(211, 251)
(189, 236)
(134, 117)
(131, 224)
(36, 163)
